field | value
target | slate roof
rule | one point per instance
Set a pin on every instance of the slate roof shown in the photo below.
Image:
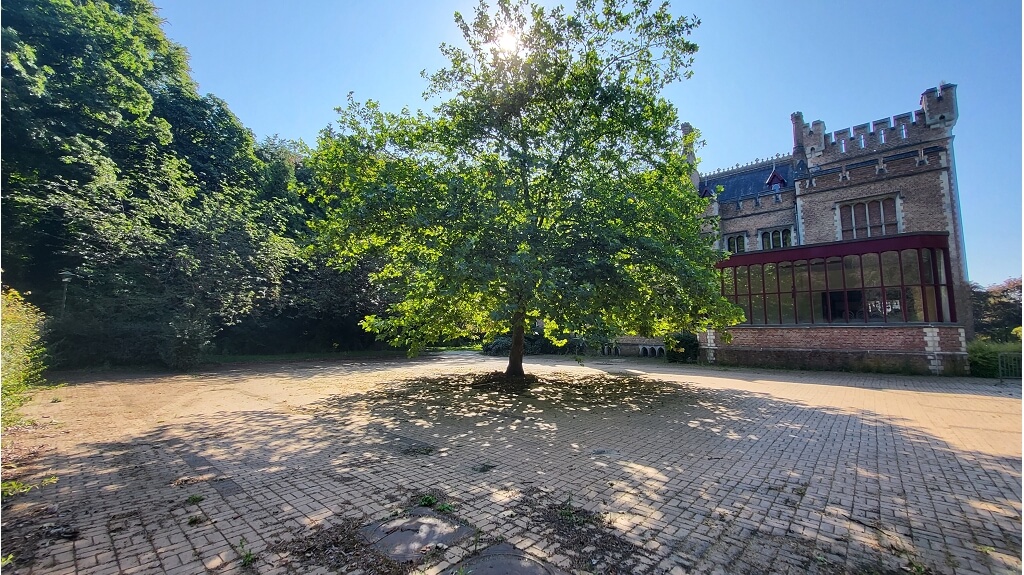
(746, 181)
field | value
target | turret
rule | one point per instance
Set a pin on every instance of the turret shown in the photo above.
(799, 127)
(939, 106)
(691, 157)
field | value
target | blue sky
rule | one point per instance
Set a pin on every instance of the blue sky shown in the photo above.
(283, 67)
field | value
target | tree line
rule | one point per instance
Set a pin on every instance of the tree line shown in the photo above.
(551, 187)
(143, 218)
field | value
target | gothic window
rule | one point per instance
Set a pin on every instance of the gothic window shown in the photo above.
(775, 239)
(868, 219)
(736, 243)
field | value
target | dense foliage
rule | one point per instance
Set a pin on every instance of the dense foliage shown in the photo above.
(997, 310)
(984, 356)
(682, 347)
(553, 184)
(173, 223)
(22, 359)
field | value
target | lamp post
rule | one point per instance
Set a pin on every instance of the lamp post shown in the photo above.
(65, 278)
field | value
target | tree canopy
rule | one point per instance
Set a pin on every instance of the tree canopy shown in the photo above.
(552, 185)
(997, 310)
(168, 218)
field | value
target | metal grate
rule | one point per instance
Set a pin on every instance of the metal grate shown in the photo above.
(1009, 366)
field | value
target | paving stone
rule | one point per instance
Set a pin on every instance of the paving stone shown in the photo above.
(767, 470)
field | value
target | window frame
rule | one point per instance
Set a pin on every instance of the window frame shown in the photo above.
(863, 230)
(785, 238)
(840, 289)
(735, 239)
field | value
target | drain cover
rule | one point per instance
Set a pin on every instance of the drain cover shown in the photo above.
(409, 538)
(504, 559)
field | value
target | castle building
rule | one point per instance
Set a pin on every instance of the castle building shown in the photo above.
(849, 252)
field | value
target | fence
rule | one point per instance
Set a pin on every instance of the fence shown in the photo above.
(1009, 366)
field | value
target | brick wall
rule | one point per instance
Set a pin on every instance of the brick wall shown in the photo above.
(907, 348)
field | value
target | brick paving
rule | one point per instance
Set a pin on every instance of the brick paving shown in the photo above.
(698, 470)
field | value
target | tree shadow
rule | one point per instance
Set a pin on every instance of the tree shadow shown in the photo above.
(686, 476)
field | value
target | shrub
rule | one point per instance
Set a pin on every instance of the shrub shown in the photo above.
(535, 344)
(984, 356)
(22, 361)
(682, 347)
(500, 346)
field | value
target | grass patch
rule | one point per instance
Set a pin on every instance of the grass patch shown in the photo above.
(473, 347)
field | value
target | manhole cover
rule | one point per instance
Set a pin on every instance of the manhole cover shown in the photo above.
(504, 558)
(410, 538)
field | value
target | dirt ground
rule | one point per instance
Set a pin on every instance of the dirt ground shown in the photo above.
(675, 469)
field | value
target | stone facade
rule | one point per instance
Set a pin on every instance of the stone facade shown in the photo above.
(848, 252)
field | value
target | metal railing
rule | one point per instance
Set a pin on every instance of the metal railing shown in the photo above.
(1009, 366)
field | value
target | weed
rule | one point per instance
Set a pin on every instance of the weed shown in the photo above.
(801, 491)
(917, 568)
(248, 557)
(427, 500)
(6, 560)
(483, 467)
(985, 548)
(193, 499)
(195, 520)
(14, 487)
(55, 400)
(445, 508)
(461, 571)
(567, 512)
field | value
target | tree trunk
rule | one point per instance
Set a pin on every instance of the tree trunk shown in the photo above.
(515, 355)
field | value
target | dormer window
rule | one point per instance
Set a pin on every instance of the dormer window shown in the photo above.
(775, 183)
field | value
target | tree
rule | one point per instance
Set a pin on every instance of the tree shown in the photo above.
(115, 169)
(997, 309)
(552, 184)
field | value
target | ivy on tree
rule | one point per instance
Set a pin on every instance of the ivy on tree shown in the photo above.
(553, 183)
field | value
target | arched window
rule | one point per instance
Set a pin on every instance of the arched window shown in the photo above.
(774, 239)
(736, 244)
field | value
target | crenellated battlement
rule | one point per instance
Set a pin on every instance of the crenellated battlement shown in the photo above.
(937, 115)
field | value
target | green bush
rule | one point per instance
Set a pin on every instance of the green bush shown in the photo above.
(501, 346)
(535, 344)
(984, 356)
(22, 361)
(682, 347)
